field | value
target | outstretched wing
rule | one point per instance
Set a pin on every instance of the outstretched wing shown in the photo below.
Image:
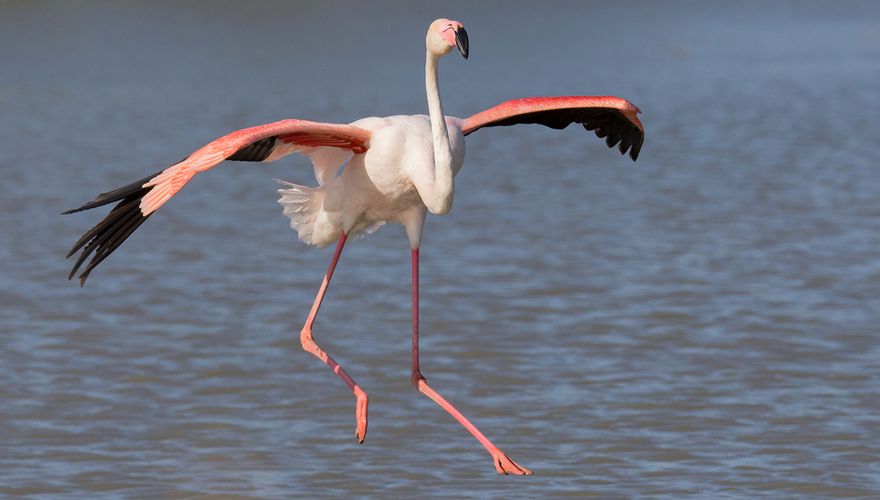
(325, 143)
(609, 117)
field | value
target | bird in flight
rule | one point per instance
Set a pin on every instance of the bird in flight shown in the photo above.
(373, 171)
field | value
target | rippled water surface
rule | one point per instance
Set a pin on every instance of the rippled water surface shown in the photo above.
(702, 322)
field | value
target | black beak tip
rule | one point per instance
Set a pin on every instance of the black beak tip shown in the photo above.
(461, 41)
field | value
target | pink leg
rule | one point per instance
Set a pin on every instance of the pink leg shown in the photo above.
(503, 464)
(308, 343)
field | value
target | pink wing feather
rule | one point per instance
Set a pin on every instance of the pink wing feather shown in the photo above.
(288, 136)
(609, 117)
(138, 200)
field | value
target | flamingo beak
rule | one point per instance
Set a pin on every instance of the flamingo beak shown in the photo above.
(461, 41)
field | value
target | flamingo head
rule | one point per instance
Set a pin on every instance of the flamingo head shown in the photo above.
(444, 34)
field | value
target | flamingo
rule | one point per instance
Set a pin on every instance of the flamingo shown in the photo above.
(372, 171)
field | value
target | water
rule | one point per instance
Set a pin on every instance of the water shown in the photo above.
(700, 323)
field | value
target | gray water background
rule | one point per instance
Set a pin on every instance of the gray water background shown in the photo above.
(703, 322)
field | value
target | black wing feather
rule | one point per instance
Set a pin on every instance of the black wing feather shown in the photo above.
(257, 151)
(607, 123)
(101, 240)
(134, 189)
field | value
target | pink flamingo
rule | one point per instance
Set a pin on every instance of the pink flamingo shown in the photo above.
(393, 169)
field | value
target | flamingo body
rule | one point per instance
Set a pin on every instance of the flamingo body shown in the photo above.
(370, 172)
(375, 187)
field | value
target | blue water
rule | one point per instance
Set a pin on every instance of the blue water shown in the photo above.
(702, 323)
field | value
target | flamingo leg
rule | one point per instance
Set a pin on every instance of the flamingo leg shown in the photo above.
(503, 464)
(309, 345)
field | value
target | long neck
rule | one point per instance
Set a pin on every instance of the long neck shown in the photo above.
(441, 195)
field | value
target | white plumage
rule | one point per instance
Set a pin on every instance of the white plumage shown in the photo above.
(373, 188)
